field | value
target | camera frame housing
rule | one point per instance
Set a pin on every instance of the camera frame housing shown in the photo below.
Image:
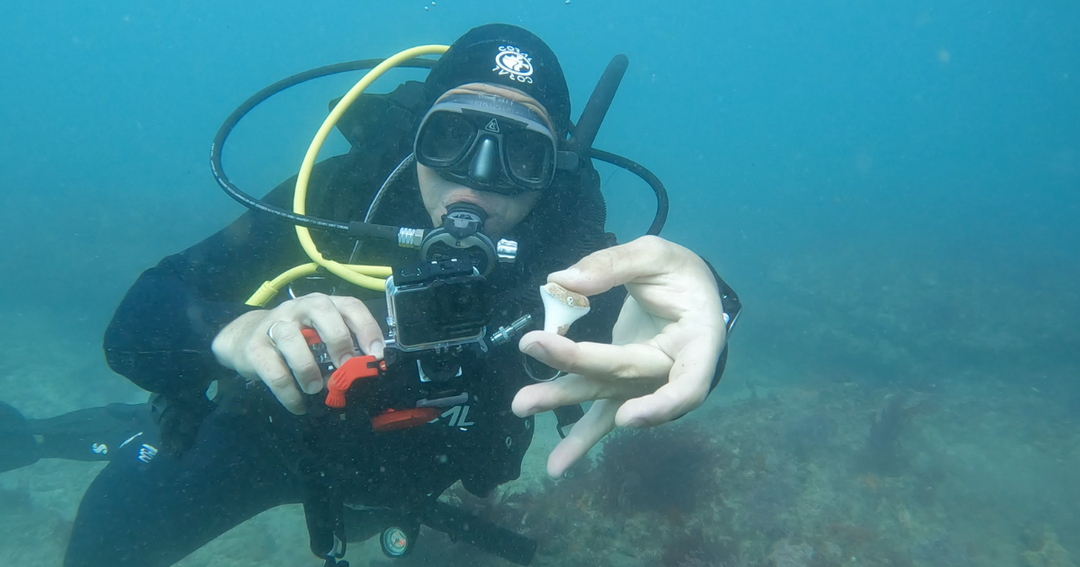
(437, 305)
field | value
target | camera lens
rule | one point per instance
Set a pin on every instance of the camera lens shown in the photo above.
(463, 302)
(455, 301)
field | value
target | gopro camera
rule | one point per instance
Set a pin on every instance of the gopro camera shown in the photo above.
(437, 304)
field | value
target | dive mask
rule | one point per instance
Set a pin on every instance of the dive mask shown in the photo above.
(488, 143)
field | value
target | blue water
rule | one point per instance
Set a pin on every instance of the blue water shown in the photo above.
(892, 189)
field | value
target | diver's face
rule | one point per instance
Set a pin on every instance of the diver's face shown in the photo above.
(504, 211)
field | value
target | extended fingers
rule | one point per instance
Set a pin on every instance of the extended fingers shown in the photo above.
(686, 389)
(602, 270)
(574, 389)
(586, 433)
(595, 359)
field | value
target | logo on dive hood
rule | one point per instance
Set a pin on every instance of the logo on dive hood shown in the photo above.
(511, 62)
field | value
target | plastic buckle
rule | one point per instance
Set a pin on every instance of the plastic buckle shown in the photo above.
(351, 370)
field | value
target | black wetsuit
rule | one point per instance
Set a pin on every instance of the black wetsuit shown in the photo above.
(248, 454)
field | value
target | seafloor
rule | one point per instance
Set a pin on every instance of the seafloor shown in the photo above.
(890, 416)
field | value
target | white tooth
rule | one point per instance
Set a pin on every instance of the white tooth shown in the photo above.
(562, 307)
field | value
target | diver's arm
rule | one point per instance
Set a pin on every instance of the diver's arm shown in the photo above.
(161, 333)
(159, 337)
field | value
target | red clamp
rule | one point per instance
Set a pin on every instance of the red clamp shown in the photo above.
(391, 419)
(354, 369)
(350, 371)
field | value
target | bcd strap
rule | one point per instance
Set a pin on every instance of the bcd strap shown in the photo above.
(567, 416)
(323, 514)
(324, 508)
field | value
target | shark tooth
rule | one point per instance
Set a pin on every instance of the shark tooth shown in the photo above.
(562, 307)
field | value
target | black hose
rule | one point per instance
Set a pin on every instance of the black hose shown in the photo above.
(653, 181)
(226, 128)
(588, 127)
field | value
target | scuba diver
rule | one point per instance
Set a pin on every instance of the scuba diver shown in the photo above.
(365, 390)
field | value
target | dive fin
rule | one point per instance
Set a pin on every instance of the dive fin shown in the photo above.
(93, 434)
(18, 448)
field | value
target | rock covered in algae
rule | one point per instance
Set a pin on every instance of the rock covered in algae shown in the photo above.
(1045, 551)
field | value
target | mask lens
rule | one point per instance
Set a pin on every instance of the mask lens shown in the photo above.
(529, 155)
(446, 137)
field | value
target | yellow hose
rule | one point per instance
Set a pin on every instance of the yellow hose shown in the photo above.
(269, 289)
(300, 196)
(370, 277)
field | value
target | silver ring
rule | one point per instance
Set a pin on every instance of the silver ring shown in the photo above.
(270, 332)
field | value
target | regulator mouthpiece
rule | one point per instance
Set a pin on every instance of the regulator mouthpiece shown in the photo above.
(462, 234)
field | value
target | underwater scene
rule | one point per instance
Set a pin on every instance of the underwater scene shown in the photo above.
(888, 195)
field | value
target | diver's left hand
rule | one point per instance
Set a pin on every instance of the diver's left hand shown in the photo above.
(664, 351)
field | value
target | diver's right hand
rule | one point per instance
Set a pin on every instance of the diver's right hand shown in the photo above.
(284, 360)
